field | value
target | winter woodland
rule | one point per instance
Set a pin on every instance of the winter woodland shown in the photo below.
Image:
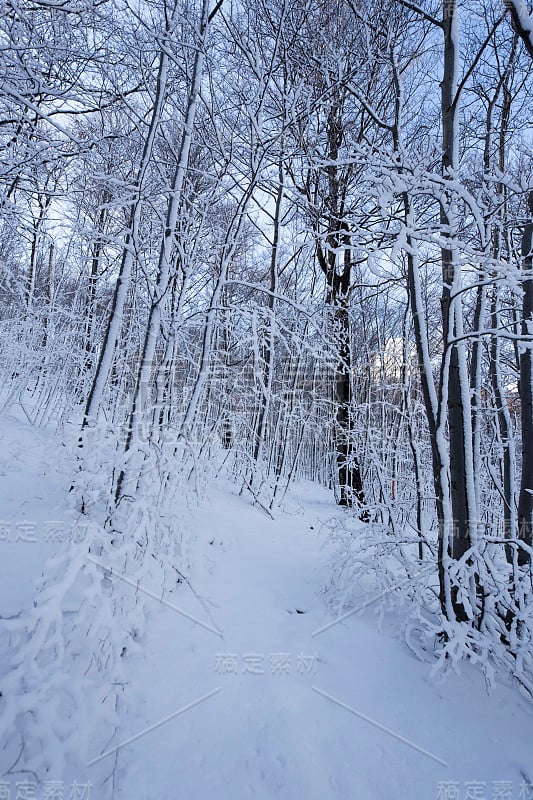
(259, 244)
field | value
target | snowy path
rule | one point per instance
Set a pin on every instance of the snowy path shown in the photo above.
(267, 733)
(264, 732)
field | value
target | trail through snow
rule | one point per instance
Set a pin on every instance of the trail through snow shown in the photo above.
(270, 732)
(267, 709)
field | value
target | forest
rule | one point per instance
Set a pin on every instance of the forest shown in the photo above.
(263, 245)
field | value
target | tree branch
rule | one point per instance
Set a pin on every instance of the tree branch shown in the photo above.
(522, 22)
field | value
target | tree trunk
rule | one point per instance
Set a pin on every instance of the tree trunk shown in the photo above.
(454, 389)
(112, 334)
(525, 502)
(164, 264)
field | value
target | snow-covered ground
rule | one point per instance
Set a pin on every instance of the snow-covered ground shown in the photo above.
(235, 691)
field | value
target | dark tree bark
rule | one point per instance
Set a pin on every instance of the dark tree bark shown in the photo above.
(519, 20)
(338, 274)
(460, 540)
(525, 502)
(97, 248)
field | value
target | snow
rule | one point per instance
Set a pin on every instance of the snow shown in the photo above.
(524, 17)
(35, 518)
(258, 701)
